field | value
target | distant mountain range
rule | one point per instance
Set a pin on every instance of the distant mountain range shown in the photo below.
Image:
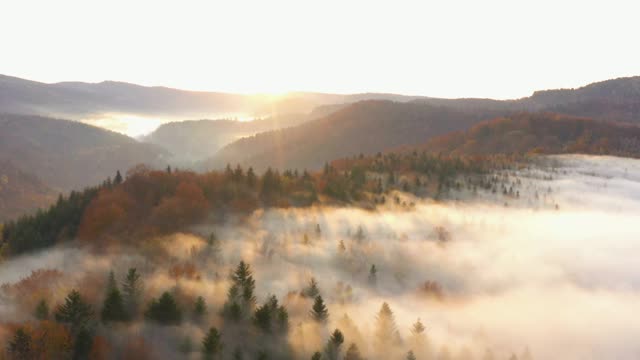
(69, 155)
(80, 101)
(46, 156)
(373, 126)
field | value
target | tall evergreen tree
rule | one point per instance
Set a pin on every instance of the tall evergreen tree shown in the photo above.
(113, 308)
(132, 291)
(42, 310)
(164, 310)
(118, 179)
(199, 309)
(312, 290)
(373, 275)
(75, 312)
(271, 317)
(332, 349)
(211, 344)
(240, 298)
(316, 356)
(386, 332)
(319, 311)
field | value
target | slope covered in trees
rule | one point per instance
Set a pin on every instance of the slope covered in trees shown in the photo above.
(196, 140)
(68, 155)
(540, 133)
(150, 202)
(20, 192)
(362, 128)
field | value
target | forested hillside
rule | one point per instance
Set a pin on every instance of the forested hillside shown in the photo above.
(540, 133)
(21, 193)
(362, 128)
(196, 140)
(67, 155)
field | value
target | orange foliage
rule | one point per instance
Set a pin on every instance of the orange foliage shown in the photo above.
(41, 284)
(105, 212)
(100, 349)
(50, 340)
(186, 270)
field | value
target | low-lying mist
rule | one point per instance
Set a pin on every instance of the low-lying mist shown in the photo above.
(552, 272)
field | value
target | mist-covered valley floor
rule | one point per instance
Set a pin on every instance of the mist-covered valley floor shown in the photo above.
(548, 274)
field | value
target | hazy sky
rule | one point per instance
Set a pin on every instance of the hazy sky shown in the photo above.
(491, 48)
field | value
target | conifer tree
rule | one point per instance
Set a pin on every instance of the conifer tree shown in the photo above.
(240, 298)
(319, 310)
(75, 312)
(312, 290)
(251, 178)
(211, 344)
(118, 179)
(373, 275)
(386, 332)
(199, 309)
(132, 290)
(113, 308)
(418, 337)
(42, 310)
(271, 317)
(164, 311)
(316, 356)
(333, 345)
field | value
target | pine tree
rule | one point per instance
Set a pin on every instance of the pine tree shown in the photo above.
(418, 335)
(312, 289)
(132, 291)
(211, 344)
(21, 346)
(113, 308)
(42, 310)
(241, 294)
(271, 317)
(118, 179)
(386, 331)
(316, 356)
(319, 310)
(199, 309)
(373, 275)
(251, 178)
(165, 310)
(353, 353)
(75, 312)
(349, 327)
(333, 345)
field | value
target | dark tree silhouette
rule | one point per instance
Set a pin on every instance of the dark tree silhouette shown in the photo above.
(164, 311)
(319, 311)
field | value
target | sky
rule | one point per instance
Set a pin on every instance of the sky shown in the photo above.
(492, 48)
